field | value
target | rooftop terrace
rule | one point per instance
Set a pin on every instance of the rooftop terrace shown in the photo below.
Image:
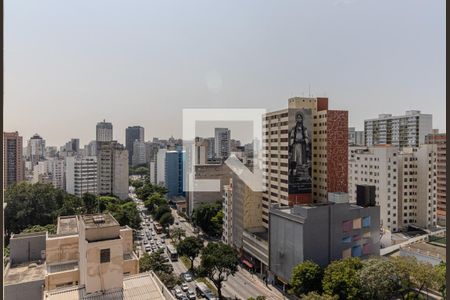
(25, 272)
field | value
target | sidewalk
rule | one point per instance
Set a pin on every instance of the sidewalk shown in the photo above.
(273, 291)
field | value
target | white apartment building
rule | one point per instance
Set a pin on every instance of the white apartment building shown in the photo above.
(401, 131)
(222, 141)
(112, 173)
(139, 153)
(56, 170)
(227, 225)
(404, 183)
(104, 132)
(81, 175)
(377, 166)
(158, 168)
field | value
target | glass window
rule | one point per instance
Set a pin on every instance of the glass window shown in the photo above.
(347, 226)
(357, 223)
(105, 255)
(366, 222)
(347, 239)
(356, 251)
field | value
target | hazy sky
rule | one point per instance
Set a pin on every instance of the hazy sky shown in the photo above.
(70, 64)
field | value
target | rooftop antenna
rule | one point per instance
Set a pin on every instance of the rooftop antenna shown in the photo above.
(309, 90)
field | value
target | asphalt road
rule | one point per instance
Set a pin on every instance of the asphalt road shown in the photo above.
(242, 285)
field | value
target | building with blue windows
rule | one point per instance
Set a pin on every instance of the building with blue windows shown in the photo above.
(174, 172)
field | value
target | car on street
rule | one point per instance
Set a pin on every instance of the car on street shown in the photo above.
(191, 294)
(184, 287)
(178, 293)
(187, 277)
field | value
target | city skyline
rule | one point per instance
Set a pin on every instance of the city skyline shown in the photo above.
(132, 72)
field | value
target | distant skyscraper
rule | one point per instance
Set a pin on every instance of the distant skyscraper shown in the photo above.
(355, 137)
(408, 130)
(91, 149)
(222, 138)
(211, 148)
(13, 165)
(112, 171)
(139, 153)
(35, 150)
(174, 173)
(104, 132)
(133, 133)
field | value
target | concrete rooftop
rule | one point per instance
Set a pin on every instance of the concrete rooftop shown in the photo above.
(25, 272)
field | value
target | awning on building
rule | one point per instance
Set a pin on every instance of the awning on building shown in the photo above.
(247, 263)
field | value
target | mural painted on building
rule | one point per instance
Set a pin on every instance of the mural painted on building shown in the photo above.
(300, 157)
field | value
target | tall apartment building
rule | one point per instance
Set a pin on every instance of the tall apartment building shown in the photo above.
(222, 141)
(305, 152)
(151, 149)
(132, 134)
(51, 171)
(81, 175)
(91, 149)
(355, 137)
(409, 129)
(104, 132)
(51, 152)
(174, 173)
(158, 168)
(35, 150)
(13, 164)
(211, 148)
(139, 153)
(403, 181)
(112, 169)
(201, 151)
(440, 139)
(227, 225)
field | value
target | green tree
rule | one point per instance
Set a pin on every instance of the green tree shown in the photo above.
(31, 204)
(218, 262)
(169, 279)
(306, 277)
(317, 296)
(403, 266)
(90, 203)
(441, 284)
(155, 200)
(166, 219)
(190, 247)
(160, 211)
(424, 276)
(127, 214)
(72, 205)
(378, 279)
(177, 234)
(341, 278)
(209, 218)
(50, 228)
(107, 203)
(154, 262)
(136, 183)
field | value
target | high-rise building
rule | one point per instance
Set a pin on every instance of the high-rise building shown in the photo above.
(139, 153)
(132, 134)
(304, 153)
(201, 151)
(51, 152)
(401, 131)
(211, 148)
(104, 132)
(404, 182)
(222, 141)
(158, 168)
(174, 173)
(355, 137)
(81, 175)
(13, 165)
(151, 149)
(91, 149)
(440, 139)
(227, 225)
(112, 172)
(35, 150)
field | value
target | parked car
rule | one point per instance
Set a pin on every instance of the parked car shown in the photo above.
(184, 287)
(187, 277)
(191, 295)
(178, 293)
